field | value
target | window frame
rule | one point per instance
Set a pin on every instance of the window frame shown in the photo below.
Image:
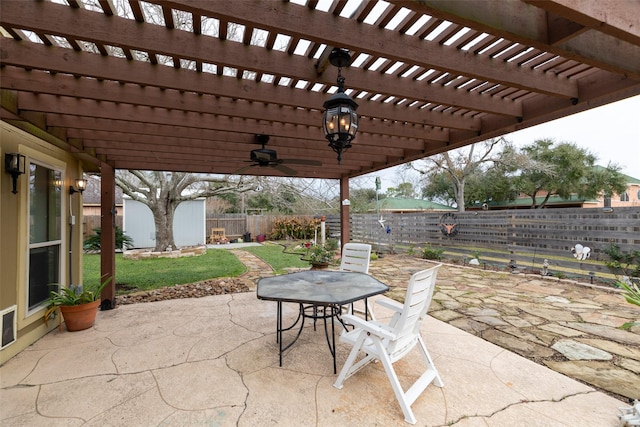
(29, 245)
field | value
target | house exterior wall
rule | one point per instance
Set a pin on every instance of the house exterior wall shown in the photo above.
(633, 192)
(14, 232)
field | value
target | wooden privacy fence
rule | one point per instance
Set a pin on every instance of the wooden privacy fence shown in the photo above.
(525, 236)
(91, 222)
(236, 225)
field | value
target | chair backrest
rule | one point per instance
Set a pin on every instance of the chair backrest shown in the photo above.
(416, 303)
(356, 257)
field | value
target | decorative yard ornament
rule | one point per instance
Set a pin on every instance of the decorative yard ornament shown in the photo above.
(449, 224)
(581, 252)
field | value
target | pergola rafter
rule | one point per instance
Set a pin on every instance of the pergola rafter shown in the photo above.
(189, 87)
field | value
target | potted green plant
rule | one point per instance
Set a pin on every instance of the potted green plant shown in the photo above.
(320, 256)
(77, 304)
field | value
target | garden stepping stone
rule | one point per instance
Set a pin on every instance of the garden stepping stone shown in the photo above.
(561, 330)
(601, 374)
(573, 350)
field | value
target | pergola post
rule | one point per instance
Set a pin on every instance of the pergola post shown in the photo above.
(108, 236)
(344, 212)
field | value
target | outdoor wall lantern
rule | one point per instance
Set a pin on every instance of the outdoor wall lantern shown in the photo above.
(14, 164)
(340, 119)
(81, 185)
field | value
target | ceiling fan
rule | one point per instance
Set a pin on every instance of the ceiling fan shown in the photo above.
(265, 157)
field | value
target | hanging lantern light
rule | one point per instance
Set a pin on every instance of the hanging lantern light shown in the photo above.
(340, 119)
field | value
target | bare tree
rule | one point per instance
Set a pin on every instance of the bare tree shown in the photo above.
(459, 164)
(162, 192)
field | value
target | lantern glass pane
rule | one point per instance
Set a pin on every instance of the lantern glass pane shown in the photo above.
(345, 119)
(331, 121)
(354, 124)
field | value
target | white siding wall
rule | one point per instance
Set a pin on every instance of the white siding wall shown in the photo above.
(188, 223)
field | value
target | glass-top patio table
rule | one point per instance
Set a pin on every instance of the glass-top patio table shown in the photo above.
(320, 294)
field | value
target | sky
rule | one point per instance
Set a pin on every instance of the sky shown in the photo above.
(610, 132)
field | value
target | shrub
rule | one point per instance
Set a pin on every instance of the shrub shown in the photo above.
(321, 254)
(92, 243)
(625, 263)
(331, 244)
(432, 253)
(294, 228)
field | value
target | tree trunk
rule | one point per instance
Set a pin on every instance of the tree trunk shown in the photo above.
(459, 189)
(164, 228)
(544, 202)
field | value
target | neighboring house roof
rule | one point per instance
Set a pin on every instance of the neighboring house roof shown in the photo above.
(411, 205)
(554, 201)
(629, 179)
(632, 180)
(91, 196)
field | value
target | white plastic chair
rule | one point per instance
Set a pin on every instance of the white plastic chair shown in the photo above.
(356, 257)
(391, 342)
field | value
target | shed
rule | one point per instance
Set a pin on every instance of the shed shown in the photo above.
(188, 223)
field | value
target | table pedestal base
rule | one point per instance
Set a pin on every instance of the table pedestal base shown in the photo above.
(314, 312)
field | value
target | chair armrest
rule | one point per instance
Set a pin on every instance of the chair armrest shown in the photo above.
(368, 326)
(391, 304)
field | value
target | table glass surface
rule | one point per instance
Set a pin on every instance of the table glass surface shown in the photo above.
(320, 287)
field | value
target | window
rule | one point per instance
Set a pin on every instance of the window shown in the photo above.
(45, 233)
(624, 197)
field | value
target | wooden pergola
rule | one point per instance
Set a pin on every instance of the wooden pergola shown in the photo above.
(188, 87)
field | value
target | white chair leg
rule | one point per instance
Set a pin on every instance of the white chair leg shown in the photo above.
(395, 384)
(437, 380)
(350, 367)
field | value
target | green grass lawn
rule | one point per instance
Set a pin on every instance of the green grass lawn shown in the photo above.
(161, 272)
(274, 255)
(147, 274)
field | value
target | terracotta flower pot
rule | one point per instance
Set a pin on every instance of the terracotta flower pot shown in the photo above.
(79, 317)
(319, 265)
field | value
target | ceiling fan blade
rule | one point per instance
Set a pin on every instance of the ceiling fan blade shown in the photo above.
(239, 171)
(301, 162)
(285, 170)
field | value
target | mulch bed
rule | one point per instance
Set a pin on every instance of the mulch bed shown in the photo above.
(192, 290)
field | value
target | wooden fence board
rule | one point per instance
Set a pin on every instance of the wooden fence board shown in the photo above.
(530, 235)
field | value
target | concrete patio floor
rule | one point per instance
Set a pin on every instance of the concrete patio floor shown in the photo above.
(214, 361)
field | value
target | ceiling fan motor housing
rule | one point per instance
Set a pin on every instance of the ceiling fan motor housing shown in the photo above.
(263, 155)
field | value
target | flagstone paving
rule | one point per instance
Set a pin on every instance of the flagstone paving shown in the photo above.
(571, 327)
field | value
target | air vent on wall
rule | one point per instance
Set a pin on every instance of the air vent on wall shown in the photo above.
(8, 326)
